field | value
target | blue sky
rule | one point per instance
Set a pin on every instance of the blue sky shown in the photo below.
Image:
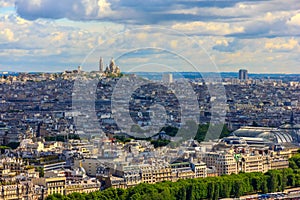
(48, 35)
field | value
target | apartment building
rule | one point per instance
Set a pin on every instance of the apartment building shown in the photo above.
(20, 191)
(82, 187)
(132, 175)
(231, 162)
(224, 162)
(51, 185)
(182, 170)
(250, 162)
(199, 169)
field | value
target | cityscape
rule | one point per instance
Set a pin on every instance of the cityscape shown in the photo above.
(45, 151)
(166, 100)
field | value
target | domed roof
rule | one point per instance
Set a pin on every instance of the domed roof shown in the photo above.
(252, 131)
(82, 170)
(79, 171)
(233, 140)
(271, 134)
(267, 135)
(290, 126)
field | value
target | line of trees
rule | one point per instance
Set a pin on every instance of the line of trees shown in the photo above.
(294, 162)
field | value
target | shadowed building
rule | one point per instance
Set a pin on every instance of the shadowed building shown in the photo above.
(243, 74)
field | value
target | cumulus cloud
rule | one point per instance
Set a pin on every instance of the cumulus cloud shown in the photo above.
(7, 34)
(232, 46)
(72, 9)
(213, 28)
(294, 20)
(224, 28)
(241, 18)
(6, 3)
(281, 44)
(24, 42)
(140, 11)
(274, 55)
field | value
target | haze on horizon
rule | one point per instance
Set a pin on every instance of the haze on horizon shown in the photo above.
(45, 35)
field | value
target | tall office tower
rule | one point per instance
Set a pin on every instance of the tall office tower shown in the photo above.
(101, 65)
(168, 78)
(38, 131)
(243, 74)
(292, 118)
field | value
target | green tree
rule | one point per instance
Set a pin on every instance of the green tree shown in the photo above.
(13, 145)
(272, 181)
(77, 196)
(41, 171)
(3, 148)
(211, 131)
(211, 190)
(294, 162)
(169, 130)
(237, 188)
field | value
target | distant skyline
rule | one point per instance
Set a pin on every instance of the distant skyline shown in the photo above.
(261, 36)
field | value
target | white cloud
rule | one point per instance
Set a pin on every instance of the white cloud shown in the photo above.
(142, 36)
(295, 20)
(104, 8)
(7, 3)
(237, 33)
(7, 35)
(222, 42)
(214, 28)
(281, 44)
(174, 44)
(25, 42)
(269, 55)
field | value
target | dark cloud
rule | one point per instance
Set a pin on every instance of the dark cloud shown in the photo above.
(141, 12)
(127, 11)
(259, 29)
(72, 9)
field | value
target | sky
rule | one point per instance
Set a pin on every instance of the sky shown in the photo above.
(151, 35)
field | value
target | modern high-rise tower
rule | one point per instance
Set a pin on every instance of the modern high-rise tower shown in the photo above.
(168, 78)
(101, 65)
(243, 74)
